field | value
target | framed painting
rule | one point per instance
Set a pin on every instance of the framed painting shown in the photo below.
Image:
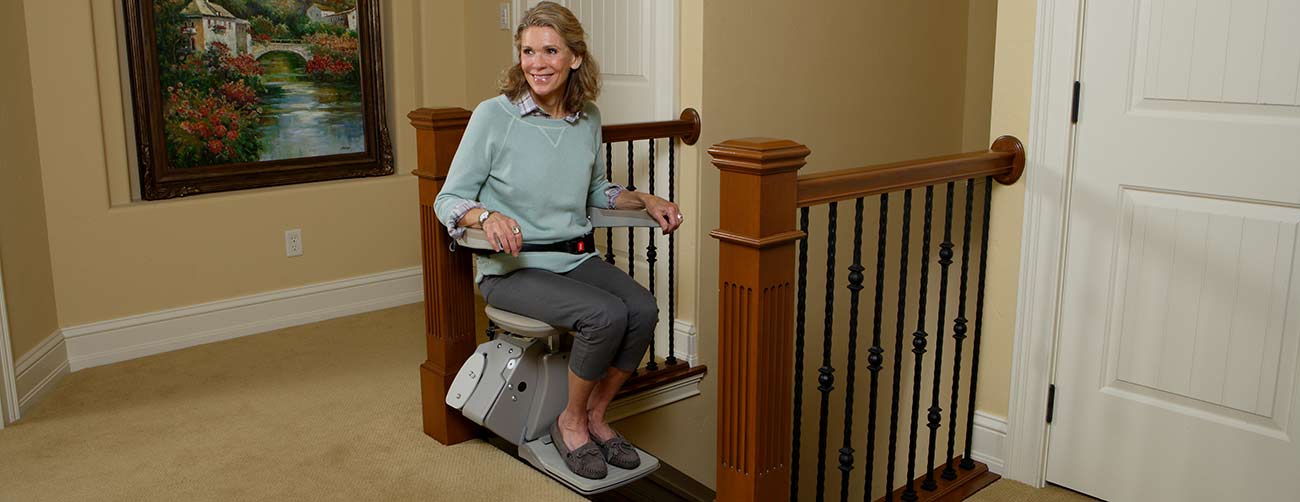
(237, 94)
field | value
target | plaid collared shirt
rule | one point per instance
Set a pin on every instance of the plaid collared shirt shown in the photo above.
(527, 106)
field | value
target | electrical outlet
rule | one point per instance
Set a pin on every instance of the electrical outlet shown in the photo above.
(293, 242)
(503, 16)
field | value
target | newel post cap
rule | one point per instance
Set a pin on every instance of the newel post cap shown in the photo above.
(759, 156)
(439, 118)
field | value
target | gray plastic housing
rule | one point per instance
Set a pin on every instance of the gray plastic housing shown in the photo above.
(502, 356)
(521, 390)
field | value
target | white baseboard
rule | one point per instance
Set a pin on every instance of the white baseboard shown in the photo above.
(642, 402)
(40, 369)
(684, 343)
(115, 340)
(988, 441)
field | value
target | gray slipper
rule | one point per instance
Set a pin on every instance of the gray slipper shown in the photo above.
(618, 452)
(586, 461)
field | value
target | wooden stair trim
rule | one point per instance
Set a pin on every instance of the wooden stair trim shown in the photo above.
(645, 380)
(967, 483)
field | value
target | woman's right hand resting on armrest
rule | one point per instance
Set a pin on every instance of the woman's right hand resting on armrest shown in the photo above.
(502, 231)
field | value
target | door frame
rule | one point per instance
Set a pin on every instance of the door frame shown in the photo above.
(8, 380)
(1057, 56)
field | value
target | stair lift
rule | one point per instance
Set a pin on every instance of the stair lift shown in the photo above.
(517, 383)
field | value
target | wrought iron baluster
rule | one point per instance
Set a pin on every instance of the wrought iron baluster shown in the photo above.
(898, 345)
(631, 231)
(967, 462)
(800, 318)
(855, 287)
(936, 413)
(651, 258)
(876, 353)
(672, 278)
(609, 175)
(826, 374)
(959, 334)
(919, 343)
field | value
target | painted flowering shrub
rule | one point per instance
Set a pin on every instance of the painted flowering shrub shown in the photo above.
(211, 114)
(334, 57)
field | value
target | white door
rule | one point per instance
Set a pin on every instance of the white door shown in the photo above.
(1176, 364)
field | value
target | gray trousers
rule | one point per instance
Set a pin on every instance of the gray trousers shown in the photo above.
(613, 315)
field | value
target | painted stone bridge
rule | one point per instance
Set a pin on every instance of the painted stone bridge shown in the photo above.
(260, 49)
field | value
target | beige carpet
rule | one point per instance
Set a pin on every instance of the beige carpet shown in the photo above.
(329, 411)
(1010, 491)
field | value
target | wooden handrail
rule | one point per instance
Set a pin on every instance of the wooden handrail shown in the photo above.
(687, 128)
(1004, 160)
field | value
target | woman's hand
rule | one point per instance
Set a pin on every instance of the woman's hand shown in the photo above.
(503, 232)
(666, 213)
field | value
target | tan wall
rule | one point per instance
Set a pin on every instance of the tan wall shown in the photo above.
(113, 257)
(1012, 84)
(487, 49)
(24, 245)
(850, 89)
(981, 23)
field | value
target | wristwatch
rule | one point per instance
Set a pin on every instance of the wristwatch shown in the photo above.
(482, 217)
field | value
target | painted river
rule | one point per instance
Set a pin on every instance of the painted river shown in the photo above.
(308, 118)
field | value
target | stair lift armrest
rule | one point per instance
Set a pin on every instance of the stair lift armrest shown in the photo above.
(605, 218)
(476, 238)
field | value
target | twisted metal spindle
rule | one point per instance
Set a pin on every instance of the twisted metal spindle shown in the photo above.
(672, 289)
(651, 258)
(855, 288)
(918, 344)
(609, 175)
(875, 356)
(936, 413)
(800, 318)
(959, 334)
(826, 374)
(631, 231)
(967, 462)
(898, 343)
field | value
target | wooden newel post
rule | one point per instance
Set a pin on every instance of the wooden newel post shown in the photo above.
(757, 238)
(448, 278)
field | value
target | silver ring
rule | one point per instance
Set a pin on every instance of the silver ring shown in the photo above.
(680, 217)
(515, 230)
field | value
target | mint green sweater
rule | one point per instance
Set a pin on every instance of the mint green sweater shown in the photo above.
(540, 171)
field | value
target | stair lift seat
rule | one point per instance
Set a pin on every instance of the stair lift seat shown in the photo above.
(517, 384)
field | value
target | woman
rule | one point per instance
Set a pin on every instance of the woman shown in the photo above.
(525, 172)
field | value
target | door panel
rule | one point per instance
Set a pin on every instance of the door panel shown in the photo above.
(1176, 365)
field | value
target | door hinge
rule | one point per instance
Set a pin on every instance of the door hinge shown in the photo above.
(1051, 401)
(1074, 104)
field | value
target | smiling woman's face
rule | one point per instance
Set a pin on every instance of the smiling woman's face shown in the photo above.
(546, 61)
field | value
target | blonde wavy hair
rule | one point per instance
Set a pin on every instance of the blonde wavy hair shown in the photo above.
(583, 84)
